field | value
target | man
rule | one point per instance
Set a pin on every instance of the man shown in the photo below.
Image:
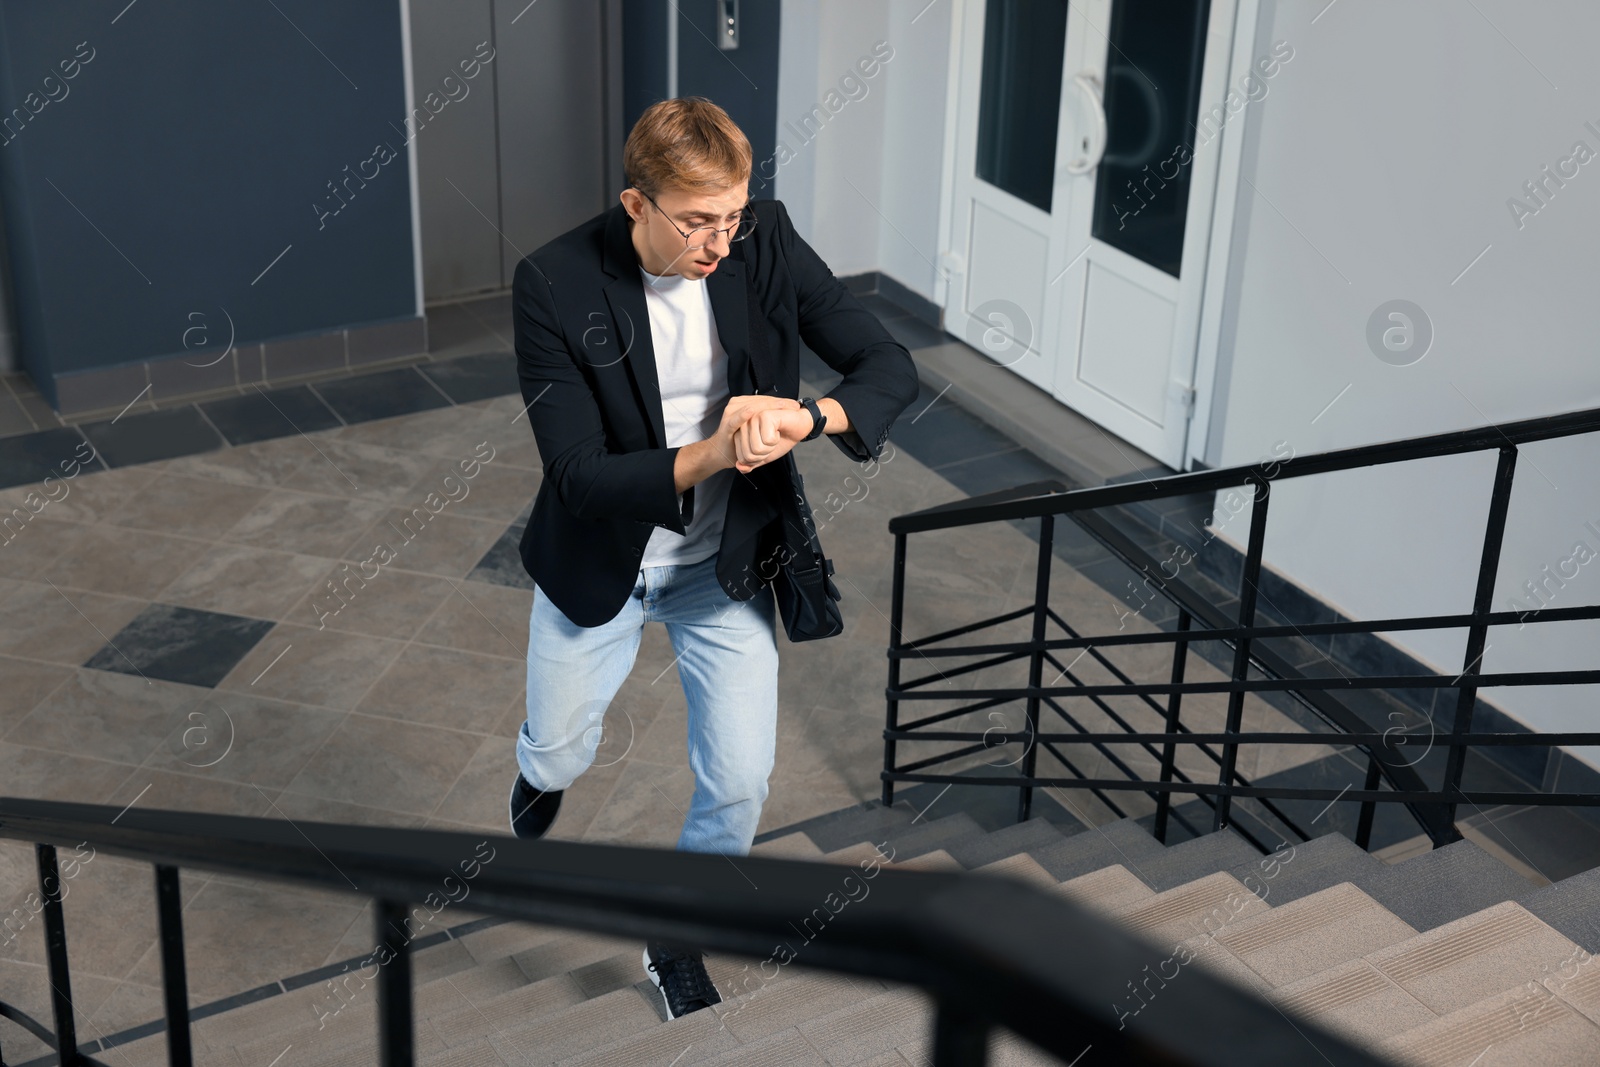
(633, 340)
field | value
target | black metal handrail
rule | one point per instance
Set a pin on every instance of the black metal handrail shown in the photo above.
(1392, 775)
(988, 950)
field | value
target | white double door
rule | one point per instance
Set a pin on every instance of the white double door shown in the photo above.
(1092, 294)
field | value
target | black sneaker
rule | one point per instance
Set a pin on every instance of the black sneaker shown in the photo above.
(681, 976)
(532, 812)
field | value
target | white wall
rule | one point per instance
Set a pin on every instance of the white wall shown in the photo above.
(1379, 167)
(864, 187)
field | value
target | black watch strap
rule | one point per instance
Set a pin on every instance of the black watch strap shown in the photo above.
(818, 419)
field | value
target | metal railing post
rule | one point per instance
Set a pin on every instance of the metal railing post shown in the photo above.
(1169, 750)
(1041, 605)
(55, 945)
(1477, 634)
(897, 603)
(174, 974)
(1368, 807)
(396, 1027)
(1241, 650)
(960, 1038)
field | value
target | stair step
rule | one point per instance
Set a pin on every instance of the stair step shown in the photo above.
(507, 939)
(1577, 982)
(1200, 907)
(1111, 889)
(470, 1020)
(1445, 884)
(888, 1021)
(1356, 1000)
(862, 852)
(580, 1028)
(1007, 841)
(867, 821)
(1572, 906)
(914, 839)
(1308, 867)
(694, 1038)
(1522, 1026)
(1312, 934)
(786, 1048)
(794, 997)
(573, 950)
(1022, 867)
(938, 860)
(795, 846)
(1123, 842)
(1197, 858)
(478, 1053)
(1462, 962)
(1204, 952)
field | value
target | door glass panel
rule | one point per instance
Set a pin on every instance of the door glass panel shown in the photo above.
(1024, 43)
(1152, 93)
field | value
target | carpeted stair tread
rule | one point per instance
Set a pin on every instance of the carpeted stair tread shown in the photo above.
(1310, 935)
(1462, 962)
(1123, 842)
(1010, 840)
(1572, 906)
(1196, 858)
(1515, 1026)
(1445, 884)
(867, 821)
(1197, 907)
(914, 839)
(1308, 867)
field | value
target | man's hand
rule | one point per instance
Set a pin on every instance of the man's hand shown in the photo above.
(768, 435)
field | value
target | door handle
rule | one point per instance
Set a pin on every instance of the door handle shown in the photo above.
(1093, 145)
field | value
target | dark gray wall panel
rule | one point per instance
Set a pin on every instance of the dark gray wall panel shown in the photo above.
(189, 153)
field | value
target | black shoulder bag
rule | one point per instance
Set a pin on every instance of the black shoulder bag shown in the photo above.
(808, 601)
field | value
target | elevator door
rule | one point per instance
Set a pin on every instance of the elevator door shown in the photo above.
(510, 125)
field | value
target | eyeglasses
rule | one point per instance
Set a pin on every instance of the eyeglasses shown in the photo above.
(700, 235)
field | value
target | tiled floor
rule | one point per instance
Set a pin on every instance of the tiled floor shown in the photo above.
(193, 629)
(205, 626)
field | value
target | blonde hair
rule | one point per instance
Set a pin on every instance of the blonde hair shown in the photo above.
(686, 143)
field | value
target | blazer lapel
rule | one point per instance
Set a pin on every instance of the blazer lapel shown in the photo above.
(630, 319)
(729, 306)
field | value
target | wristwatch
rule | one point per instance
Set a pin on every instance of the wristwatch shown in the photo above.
(818, 419)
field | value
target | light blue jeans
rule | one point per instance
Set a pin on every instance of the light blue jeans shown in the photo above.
(727, 658)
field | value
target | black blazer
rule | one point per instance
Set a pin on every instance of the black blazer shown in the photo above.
(588, 375)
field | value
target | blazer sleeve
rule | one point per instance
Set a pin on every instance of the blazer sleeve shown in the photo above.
(880, 378)
(589, 480)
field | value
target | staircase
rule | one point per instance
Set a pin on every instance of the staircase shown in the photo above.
(1445, 958)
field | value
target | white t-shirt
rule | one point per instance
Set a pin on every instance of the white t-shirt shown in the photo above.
(692, 369)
